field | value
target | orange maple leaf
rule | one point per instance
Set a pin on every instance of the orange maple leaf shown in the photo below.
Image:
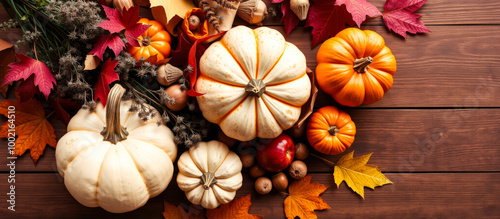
(173, 212)
(237, 209)
(32, 129)
(304, 198)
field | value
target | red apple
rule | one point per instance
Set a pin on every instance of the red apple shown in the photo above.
(276, 154)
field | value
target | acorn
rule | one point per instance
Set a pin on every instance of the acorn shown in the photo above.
(257, 171)
(300, 8)
(167, 74)
(298, 169)
(247, 159)
(263, 185)
(280, 181)
(252, 11)
(301, 151)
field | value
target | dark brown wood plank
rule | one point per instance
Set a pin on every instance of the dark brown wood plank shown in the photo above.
(458, 195)
(401, 141)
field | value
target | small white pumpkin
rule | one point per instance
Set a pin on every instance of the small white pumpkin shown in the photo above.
(254, 83)
(209, 174)
(118, 167)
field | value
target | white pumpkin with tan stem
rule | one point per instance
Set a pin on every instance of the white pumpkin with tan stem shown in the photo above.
(118, 167)
(254, 83)
(209, 174)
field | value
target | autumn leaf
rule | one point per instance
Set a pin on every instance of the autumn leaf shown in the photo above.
(108, 75)
(31, 126)
(91, 62)
(27, 89)
(400, 17)
(59, 105)
(236, 209)
(357, 174)
(143, 3)
(289, 19)
(327, 20)
(28, 66)
(113, 41)
(7, 56)
(359, 9)
(304, 198)
(170, 12)
(173, 212)
(125, 20)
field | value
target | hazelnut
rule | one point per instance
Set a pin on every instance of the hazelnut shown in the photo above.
(301, 151)
(257, 171)
(298, 169)
(263, 185)
(280, 181)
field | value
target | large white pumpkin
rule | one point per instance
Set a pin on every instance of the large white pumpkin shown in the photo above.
(117, 174)
(209, 174)
(254, 83)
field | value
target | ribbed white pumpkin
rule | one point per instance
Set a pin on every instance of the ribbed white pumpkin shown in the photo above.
(121, 176)
(254, 83)
(209, 174)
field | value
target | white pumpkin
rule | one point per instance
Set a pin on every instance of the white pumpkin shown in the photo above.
(254, 83)
(112, 169)
(209, 174)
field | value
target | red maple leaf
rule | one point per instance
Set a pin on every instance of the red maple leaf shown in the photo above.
(27, 67)
(400, 17)
(113, 41)
(27, 89)
(125, 20)
(60, 106)
(108, 75)
(289, 19)
(327, 20)
(359, 9)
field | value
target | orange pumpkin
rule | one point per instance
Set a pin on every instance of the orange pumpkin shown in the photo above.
(155, 41)
(355, 67)
(330, 130)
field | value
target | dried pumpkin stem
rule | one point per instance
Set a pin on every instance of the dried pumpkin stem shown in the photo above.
(146, 41)
(361, 65)
(333, 130)
(255, 87)
(208, 180)
(114, 131)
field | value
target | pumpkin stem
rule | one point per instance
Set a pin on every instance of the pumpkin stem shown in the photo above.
(208, 180)
(361, 65)
(114, 131)
(146, 41)
(333, 130)
(255, 87)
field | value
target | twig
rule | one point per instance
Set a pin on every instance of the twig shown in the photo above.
(323, 159)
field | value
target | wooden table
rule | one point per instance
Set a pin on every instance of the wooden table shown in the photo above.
(435, 134)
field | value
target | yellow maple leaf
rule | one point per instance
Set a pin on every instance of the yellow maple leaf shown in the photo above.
(304, 198)
(170, 12)
(357, 174)
(32, 129)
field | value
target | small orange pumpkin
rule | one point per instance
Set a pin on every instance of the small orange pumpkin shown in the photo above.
(155, 41)
(355, 67)
(330, 130)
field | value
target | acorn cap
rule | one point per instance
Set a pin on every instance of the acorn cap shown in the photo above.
(300, 8)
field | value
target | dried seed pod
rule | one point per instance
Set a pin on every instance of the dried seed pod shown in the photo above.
(167, 74)
(257, 171)
(194, 22)
(247, 159)
(120, 4)
(298, 169)
(263, 185)
(300, 8)
(280, 181)
(301, 151)
(252, 11)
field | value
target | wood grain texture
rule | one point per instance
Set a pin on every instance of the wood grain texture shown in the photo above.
(440, 195)
(401, 140)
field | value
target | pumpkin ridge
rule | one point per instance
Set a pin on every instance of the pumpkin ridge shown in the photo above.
(256, 36)
(73, 158)
(137, 168)
(103, 122)
(219, 81)
(274, 65)
(151, 144)
(232, 110)
(274, 116)
(229, 151)
(99, 176)
(285, 82)
(191, 157)
(235, 59)
(283, 101)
